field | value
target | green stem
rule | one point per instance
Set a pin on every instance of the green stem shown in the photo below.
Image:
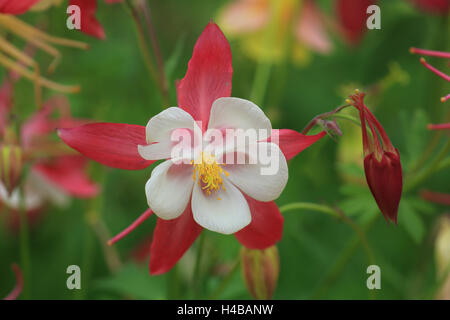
(225, 281)
(144, 50)
(143, 6)
(25, 246)
(322, 116)
(173, 281)
(347, 117)
(262, 77)
(347, 253)
(310, 206)
(349, 250)
(196, 275)
(86, 264)
(426, 154)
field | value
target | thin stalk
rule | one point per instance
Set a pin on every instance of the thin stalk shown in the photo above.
(428, 151)
(260, 82)
(198, 259)
(319, 117)
(86, 262)
(144, 48)
(156, 49)
(310, 206)
(111, 255)
(263, 68)
(94, 219)
(346, 254)
(25, 246)
(348, 250)
(173, 283)
(347, 117)
(336, 213)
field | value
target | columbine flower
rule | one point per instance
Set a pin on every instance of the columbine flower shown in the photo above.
(185, 196)
(54, 173)
(255, 21)
(381, 161)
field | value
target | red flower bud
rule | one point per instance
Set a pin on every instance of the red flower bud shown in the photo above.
(260, 269)
(381, 161)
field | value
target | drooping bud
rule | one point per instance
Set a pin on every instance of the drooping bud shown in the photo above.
(260, 269)
(11, 163)
(382, 165)
(442, 256)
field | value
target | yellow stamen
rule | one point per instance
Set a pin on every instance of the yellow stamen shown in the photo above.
(209, 174)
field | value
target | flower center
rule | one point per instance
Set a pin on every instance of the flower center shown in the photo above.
(209, 173)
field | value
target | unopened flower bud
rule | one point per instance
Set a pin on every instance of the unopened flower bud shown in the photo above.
(381, 161)
(10, 166)
(260, 269)
(384, 177)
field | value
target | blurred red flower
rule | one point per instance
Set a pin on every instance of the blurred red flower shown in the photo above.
(116, 145)
(16, 6)
(55, 172)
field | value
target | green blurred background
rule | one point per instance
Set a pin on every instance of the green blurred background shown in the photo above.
(316, 253)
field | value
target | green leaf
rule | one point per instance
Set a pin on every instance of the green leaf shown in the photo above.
(416, 136)
(422, 206)
(135, 282)
(410, 219)
(174, 58)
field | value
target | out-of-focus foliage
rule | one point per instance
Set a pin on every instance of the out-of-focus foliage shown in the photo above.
(117, 88)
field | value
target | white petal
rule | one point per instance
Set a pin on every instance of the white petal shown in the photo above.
(169, 189)
(264, 180)
(156, 151)
(159, 133)
(239, 114)
(227, 215)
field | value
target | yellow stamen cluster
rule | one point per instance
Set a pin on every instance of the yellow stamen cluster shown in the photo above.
(209, 174)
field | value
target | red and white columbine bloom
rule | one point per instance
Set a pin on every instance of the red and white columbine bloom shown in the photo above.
(185, 195)
(216, 172)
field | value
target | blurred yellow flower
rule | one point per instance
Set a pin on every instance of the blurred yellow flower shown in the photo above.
(275, 30)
